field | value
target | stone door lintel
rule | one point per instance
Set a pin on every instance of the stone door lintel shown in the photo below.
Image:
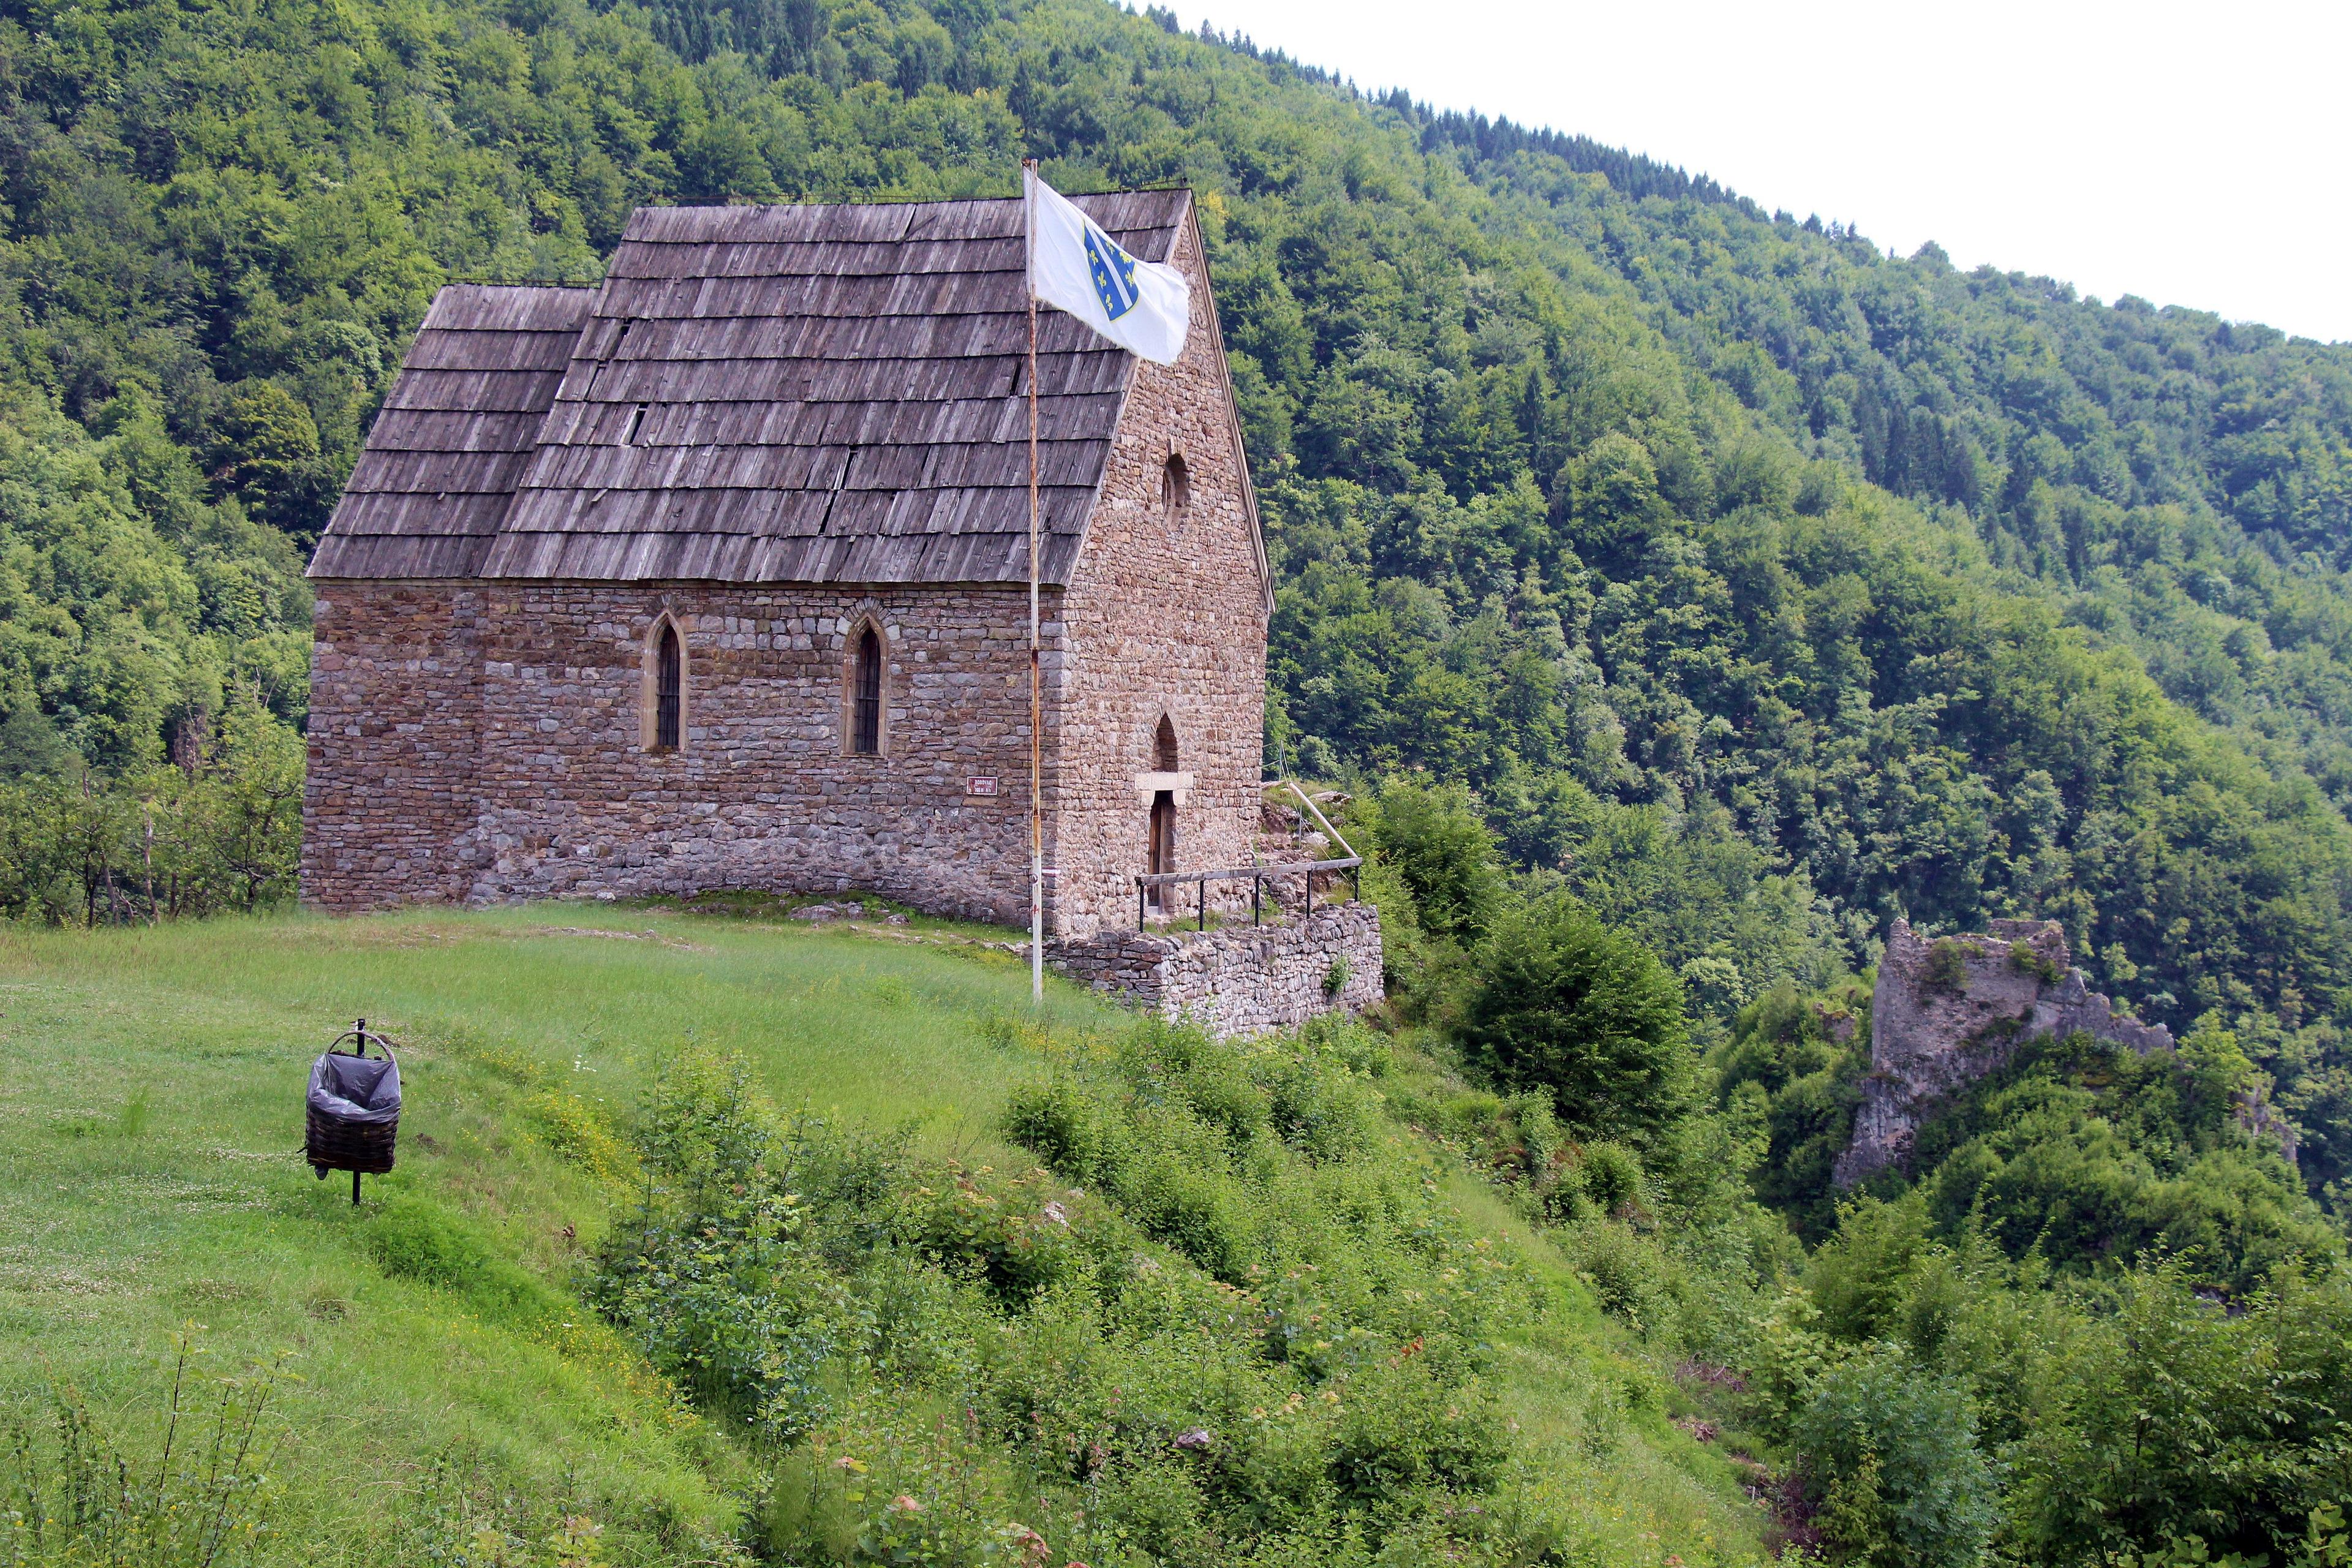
(1177, 785)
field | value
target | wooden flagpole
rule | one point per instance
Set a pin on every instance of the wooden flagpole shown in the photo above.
(1036, 699)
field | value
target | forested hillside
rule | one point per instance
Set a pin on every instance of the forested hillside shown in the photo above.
(1760, 584)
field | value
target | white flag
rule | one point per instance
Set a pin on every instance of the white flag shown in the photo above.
(1144, 307)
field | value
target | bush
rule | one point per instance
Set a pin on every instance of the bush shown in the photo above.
(1061, 1124)
(714, 1275)
(1437, 842)
(1894, 1465)
(1625, 1272)
(1564, 1003)
(1610, 1176)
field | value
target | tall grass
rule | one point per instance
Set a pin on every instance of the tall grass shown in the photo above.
(77, 1496)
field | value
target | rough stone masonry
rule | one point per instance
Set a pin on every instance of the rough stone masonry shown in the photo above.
(1238, 980)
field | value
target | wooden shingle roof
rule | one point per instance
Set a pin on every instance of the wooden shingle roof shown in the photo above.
(454, 435)
(783, 393)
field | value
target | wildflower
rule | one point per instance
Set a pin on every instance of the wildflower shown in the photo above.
(902, 1503)
(1194, 1439)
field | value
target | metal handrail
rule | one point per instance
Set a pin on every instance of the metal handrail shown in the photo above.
(1309, 802)
(1258, 876)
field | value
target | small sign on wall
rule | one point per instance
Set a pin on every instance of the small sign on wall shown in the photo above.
(978, 784)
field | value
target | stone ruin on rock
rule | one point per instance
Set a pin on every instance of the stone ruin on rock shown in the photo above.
(1948, 1011)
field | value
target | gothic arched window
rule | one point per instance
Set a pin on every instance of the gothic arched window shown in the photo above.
(866, 694)
(669, 689)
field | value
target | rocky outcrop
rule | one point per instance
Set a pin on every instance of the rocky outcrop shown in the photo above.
(1947, 1012)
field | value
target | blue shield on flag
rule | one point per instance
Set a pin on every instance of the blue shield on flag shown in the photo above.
(1113, 271)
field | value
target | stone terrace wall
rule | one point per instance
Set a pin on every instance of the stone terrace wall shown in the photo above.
(1930, 1035)
(395, 735)
(1240, 980)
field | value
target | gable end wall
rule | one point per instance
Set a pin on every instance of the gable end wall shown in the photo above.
(1162, 620)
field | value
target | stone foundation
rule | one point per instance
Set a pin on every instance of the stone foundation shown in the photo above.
(1240, 980)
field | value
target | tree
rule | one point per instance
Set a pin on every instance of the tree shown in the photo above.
(1564, 1003)
(1437, 842)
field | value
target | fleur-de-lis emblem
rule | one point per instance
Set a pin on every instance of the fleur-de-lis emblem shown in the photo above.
(1113, 271)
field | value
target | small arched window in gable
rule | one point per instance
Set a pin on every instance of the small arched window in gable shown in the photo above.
(865, 693)
(1164, 746)
(1175, 490)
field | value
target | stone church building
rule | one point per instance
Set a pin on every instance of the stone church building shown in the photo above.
(714, 575)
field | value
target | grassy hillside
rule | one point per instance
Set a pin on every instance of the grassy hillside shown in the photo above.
(451, 1379)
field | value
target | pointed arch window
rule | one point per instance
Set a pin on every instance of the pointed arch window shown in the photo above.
(865, 688)
(662, 705)
(669, 689)
(866, 694)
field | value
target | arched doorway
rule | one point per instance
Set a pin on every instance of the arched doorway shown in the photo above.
(1160, 849)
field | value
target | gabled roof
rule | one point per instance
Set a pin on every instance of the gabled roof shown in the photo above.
(455, 434)
(785, 394)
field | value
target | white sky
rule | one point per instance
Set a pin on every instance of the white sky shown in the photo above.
(2194, 156)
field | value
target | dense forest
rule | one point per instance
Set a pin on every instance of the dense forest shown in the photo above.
(1744, 585)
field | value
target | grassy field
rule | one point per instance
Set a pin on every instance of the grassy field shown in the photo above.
(150, 1084)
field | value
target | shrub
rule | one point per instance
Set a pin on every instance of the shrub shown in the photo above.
(1895, 1464)
(1293, 1375)
(1947, 967)
(713, 1274)
(1062, 1125)
(1001, 1233)
(1626, 1272)
(1610, 1176)
(1437, 842)
(1564, 1003)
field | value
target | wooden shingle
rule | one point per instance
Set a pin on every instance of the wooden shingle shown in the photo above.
(780, 393)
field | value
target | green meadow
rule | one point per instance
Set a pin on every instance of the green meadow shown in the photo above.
(153, 1194)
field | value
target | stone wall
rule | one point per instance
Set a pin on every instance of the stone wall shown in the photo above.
(1167, 616)
(1238, 979)
(763, 791)
(388, 801)
(1939, 1020)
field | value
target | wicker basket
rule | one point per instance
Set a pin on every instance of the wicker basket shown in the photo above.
(332, 1142)
(334, 1145)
